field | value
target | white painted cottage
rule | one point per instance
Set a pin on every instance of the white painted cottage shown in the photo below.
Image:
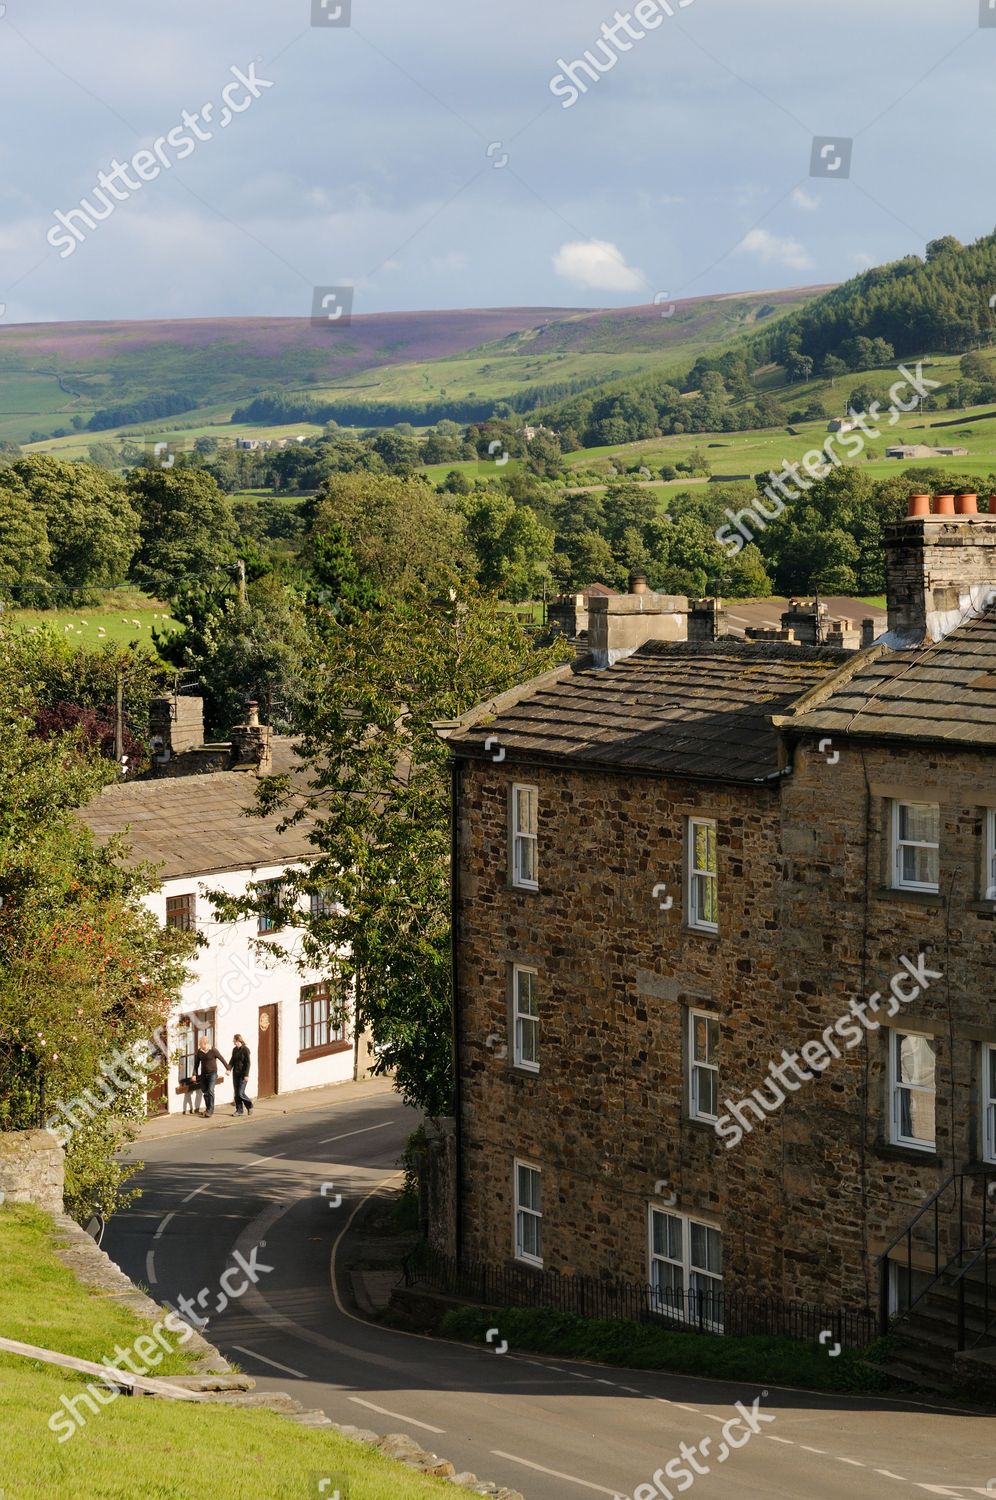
(193, 825)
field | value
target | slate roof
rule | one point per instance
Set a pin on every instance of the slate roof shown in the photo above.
(195, 825)
(940, 692)
(686, 709)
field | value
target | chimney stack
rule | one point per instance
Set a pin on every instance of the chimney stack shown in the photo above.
(252, 744)
(940, 568)
(869, 630)
(801, 618)
(620, 625)
(706, 620)
(176, 725)
(637, 583)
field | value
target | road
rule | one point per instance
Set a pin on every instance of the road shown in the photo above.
(551, 1428)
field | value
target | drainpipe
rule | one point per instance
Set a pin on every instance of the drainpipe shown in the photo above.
(455, 990)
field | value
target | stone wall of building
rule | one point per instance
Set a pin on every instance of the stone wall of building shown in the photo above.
(606, 1117)
(32, 1169)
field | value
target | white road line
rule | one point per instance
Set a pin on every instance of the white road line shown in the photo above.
(365, 1131)
(853, 1462)
(889, 1475)
(284, 1369)
(150, 1268)
(162, 1225)
(821, 1451)
(194, 1193)
(262, 1159)
(555, 1473)
(411, 1422)
(772, 1439)
(680, 1407)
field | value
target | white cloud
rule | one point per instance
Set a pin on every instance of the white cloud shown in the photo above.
(805, 200)
(597, 264)
(454, 260)
(862, 259)
(775, 250)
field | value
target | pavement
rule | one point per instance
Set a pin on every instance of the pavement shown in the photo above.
(272, 1188)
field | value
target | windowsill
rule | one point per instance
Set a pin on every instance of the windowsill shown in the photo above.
(522, 1070)
(696, 1122)
(527, 890)
(329, 1050)
(902, 893)
(701, 931)
(895, 1151)
(527, 1260)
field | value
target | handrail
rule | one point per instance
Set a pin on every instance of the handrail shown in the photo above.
(914, 1221)
(959, 1282)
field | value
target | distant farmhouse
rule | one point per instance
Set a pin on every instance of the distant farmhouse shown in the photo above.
(920, 450)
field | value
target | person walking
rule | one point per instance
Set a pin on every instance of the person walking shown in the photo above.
(238, 1065)
(206, 1065)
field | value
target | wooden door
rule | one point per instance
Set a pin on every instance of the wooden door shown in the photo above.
(267, 1052)
(157, 1094)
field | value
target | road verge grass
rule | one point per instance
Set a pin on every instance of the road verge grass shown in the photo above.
(649, 1346)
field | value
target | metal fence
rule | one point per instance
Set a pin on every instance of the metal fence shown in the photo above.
(700, 1309)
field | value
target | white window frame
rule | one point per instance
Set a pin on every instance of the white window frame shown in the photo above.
(526, 1211)
(524, 1020)
(988, 1096)
(524, 839)
(693, 1277)
(897, 1088)
(698, 1066)
(899, 844)
(989, 892)
(696, 876)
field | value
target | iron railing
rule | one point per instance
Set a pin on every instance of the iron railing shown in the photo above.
(701, 1309)
(956, 1232)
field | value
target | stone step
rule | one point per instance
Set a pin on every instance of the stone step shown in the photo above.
(897, 1369)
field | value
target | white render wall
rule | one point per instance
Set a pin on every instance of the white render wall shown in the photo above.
(235, 974)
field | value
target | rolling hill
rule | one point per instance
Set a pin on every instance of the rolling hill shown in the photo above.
(386, 366)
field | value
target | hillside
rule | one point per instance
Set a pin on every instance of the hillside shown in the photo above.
(384, 367)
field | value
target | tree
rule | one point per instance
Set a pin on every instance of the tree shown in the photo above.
(85, 968)
(833, 368)
(24, 549)
(379, 685)
(89, 522)
(188, 532)
(513, 548)
(241, 648)
(401, 532)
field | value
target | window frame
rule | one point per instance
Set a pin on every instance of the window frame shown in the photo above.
(696, 920)
(899, 883)
(683, 1312)
(522, 1211)
(270, 922)
(184, 907)
(988, 1097)
(989, 870)
(520, 837)
(522, 1019)
(308, 996)
(696, 1066)
(897, 1089)
(191, 1028)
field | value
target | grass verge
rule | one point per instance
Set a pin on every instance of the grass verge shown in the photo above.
(646, 1346)
(159, 1450)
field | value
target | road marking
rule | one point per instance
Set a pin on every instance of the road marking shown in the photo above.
(806, 1449)
(162, 1225)
(284, 1369)
(889, 1475)
(853, 1462)
(366, 1131)
(150, 1267)
(680, 1407)
(555, 1473)
(194, 1193)
(772, 1439)
(411, 1421)
(262, 1159)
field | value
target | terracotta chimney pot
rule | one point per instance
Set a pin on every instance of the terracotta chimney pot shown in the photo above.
(966, 504)
(919, 505)
(944, 505)
(637, 583)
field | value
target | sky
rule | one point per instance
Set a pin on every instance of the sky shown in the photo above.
(434, 154)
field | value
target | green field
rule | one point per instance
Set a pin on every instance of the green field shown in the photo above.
(126, 615)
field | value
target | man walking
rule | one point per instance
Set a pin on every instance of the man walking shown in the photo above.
(206, 1064)
(238, 1066)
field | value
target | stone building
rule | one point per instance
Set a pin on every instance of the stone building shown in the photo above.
(674, 873)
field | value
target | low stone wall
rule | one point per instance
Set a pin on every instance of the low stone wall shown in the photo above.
(32, 1169)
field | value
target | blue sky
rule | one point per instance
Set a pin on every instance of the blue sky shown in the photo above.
(684, 170)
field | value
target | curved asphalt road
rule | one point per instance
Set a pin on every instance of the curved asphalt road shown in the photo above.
(551, 1428)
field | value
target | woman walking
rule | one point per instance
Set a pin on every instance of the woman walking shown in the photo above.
(238, 1066)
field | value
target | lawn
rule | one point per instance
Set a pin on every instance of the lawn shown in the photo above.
(158, 1450)
(125, 615)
